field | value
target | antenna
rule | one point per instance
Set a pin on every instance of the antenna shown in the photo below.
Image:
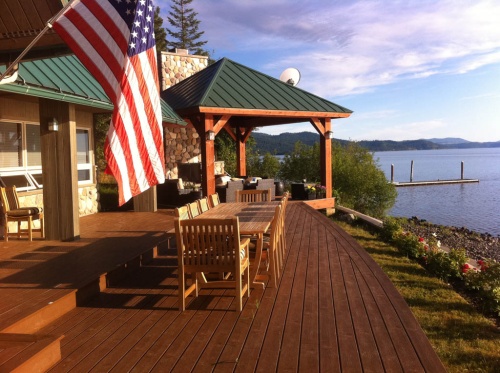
(290, 76)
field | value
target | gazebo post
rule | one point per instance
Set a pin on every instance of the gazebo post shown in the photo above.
(208, 155)
(323, 126)
(241, 159)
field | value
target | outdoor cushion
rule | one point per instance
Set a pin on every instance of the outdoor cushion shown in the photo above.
(24, 211)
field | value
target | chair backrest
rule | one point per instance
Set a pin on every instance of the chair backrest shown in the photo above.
(210, 244)
(182, 212)
(193, 209)
(253, 195)
(203, 204)
(214, 199)
(10, 200)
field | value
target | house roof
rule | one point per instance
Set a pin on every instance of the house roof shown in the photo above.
(21, 22)
(228, 87)
(66, 79)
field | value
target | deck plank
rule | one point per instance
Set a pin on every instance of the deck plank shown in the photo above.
(333, 310)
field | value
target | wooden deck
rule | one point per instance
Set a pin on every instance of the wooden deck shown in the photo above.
(334, 309)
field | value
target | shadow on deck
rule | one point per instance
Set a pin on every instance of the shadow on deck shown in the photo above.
(334, 308)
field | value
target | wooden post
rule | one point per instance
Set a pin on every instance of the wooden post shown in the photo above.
(462, 173)
(392, 173)
(59, 170)
(411, 172)
(146, 201)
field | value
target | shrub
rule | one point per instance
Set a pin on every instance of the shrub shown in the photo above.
(390, 229)
(486, 282)
(446, 265)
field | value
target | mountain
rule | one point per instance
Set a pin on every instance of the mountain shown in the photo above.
(284, 143)
(448, 141)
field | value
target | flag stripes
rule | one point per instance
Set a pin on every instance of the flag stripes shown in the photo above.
(114, 43)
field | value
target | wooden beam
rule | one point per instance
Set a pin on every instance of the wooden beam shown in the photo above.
(230, 131)
(59, 170)
(221, 123)
(269, 113)
(319, 125)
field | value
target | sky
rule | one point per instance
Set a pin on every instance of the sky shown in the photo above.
(408, 69)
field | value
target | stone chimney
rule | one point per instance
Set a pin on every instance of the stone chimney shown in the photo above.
(179, 65)
(182, 144)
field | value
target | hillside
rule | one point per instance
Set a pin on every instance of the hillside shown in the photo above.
(284, 143)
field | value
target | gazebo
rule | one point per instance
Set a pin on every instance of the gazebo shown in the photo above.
(233, 97)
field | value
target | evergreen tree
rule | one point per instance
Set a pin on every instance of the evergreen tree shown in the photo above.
(160, 34)
(185, 33)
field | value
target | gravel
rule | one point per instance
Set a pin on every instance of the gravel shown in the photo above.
(477, 245)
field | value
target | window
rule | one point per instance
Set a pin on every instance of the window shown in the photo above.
(10, 145)
(21, 156)
(83, 156)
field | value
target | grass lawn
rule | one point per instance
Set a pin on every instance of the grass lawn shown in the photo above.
(464, 339)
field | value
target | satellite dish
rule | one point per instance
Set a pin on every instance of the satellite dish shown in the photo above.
(290, 76)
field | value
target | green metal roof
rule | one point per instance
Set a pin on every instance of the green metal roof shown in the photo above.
(228, 84)
(66, 79)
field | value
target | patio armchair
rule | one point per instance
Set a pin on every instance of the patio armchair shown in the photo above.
(226, 192)
(264, 184)
(13, 212)
(215, 246)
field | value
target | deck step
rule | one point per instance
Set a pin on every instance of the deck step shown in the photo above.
(28, 352)
(32, 320)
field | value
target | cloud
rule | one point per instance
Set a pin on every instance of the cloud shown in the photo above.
(404, 131)
(353, 47)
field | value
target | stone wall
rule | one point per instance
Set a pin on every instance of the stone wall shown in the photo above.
(87, 205)
(182, 145)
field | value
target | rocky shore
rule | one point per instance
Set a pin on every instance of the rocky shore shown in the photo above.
(477, 245)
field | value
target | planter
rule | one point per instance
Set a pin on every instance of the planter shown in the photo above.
(320, 195)
(311, 196)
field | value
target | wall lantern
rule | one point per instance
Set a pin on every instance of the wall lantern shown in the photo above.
(210, 135)
(54, 125)
(328, 135)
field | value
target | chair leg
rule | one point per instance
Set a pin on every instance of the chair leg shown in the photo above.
(247, 279)
(182, 290)
(238, 289)
(42, 230)
(30, 228)
(6, 230)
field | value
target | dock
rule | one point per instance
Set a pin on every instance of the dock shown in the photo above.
(434, 182)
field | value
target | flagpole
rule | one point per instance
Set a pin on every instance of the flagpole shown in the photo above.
(48, 26)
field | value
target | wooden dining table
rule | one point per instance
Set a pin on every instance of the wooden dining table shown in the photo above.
(255, 218)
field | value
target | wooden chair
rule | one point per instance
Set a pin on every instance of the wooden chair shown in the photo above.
(13, 212)
(253, 195)
(211, 245)
(214, 199)
(182, 212)
(203, 204)
(193, 209)
(272, 247)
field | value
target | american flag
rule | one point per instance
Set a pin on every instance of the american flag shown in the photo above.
(115, 41)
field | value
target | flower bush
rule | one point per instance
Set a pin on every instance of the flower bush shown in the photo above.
(320, 189)
(485, 280)
(310, 189)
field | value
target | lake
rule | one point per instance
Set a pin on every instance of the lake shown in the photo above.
(475, 206)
